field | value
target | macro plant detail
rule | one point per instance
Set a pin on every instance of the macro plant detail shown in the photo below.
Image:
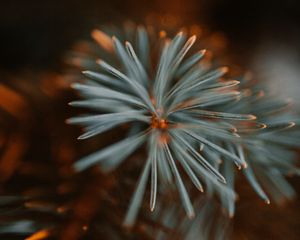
(176, 109)
(150, 120)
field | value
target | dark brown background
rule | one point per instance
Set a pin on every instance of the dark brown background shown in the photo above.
(35, 33)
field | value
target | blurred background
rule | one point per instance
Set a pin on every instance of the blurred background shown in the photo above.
(261, 36)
